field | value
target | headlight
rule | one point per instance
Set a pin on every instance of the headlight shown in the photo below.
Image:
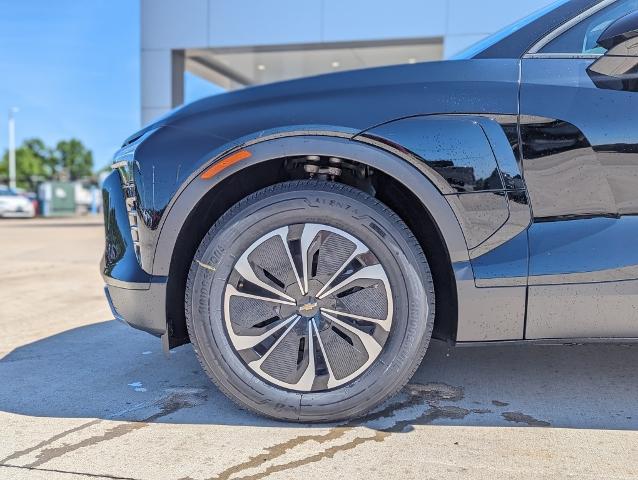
(124, 162)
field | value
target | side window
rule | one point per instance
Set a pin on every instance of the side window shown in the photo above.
(581, 38)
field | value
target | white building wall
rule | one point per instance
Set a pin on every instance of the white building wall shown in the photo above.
(169, 25)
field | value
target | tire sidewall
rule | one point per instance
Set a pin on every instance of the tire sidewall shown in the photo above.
(355, 213)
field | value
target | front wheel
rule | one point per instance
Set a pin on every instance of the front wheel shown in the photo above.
(309, 301)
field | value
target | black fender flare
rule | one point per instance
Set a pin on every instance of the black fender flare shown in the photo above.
(392, 165)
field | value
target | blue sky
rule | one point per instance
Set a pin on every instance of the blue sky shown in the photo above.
(72, 68)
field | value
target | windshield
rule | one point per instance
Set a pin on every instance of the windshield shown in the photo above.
(486, 43)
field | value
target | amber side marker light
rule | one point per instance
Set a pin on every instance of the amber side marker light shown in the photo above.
(224, 163)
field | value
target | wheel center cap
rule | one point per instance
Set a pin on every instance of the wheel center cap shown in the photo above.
(307, 306)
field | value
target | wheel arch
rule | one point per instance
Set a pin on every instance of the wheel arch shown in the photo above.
(405, 189)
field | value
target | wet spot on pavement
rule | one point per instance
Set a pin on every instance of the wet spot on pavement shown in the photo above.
(518, 417)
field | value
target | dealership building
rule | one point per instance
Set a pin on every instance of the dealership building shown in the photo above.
(190, 48)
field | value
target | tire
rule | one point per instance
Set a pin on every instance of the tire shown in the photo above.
(327, 352)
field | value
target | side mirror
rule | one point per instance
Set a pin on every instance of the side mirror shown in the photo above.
(618, 68)
(621, 36)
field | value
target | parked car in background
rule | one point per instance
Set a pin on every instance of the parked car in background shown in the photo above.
(309, 237)
(14, 204)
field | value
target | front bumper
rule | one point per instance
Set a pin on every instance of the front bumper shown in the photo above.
(26, 211)
(135, 296)
(141, 309)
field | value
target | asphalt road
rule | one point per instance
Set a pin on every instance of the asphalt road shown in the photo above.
(82, 396)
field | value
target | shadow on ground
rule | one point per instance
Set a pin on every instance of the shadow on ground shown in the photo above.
(109, 371)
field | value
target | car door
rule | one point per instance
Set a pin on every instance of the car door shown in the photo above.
(579, 140)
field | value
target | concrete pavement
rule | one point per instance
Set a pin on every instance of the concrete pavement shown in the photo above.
(82, 396)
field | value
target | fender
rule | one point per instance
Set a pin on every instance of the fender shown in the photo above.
(472, 162)
(302, 145)
(477, 321)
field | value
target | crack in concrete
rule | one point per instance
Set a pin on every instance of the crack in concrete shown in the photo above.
(48, 441)
(431, 394)
(280, 449)
(49, 454)
(59, 436)
(330, 452)
(69, 472)
(176, 400)
(380, 435)
(418, 394)
(518, 417)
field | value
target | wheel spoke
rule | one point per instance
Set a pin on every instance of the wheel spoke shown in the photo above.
(244, 268)
(308, 376)
(242, 342)
(361, 248)
(373, 272)
(234, 292)
(294, 319)
(309, 233)
(382, 322)
(283, 233)
(372, 347)
(332, 380)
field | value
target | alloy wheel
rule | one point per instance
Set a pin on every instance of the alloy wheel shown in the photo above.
(308, 307)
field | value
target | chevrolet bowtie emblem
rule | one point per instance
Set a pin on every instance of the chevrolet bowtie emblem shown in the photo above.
(307, 307)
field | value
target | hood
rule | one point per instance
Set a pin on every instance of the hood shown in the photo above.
(353, 100)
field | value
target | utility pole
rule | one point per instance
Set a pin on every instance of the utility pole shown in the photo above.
(12, 148)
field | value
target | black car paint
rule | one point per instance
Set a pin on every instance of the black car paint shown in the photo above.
(342, 104)
(564, 112)
(582, 159)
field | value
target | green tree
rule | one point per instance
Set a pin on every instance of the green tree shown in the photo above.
(30, 167)
(35, 162)
(43, 152)
(73, 159)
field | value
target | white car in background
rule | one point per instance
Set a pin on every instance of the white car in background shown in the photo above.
(13, 204)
